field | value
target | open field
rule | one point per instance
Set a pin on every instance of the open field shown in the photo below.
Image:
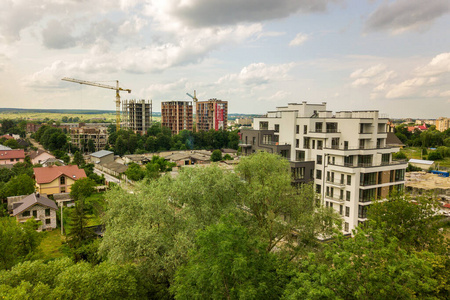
(35, 116)
(414, 152)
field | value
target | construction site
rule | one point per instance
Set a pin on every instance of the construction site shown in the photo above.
(137, 115)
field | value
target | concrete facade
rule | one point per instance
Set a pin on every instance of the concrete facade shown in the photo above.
(211, 114)
(137, 115)
(177, 115)
(351, 163)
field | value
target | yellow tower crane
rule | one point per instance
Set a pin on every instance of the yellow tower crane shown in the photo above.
(117, 88)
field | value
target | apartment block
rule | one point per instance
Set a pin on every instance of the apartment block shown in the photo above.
(177, 115)
(137, 115)
(80, 137)
(345, 154)
(442, 124)
(211, 114)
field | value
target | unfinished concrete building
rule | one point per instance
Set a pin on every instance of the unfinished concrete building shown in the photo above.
(137, 115)
(212, 114)
(80, 137)
(177, 115)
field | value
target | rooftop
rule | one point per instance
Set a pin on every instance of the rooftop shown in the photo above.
(31, 200)
(48, 174)
(9, 154)
(101, 153)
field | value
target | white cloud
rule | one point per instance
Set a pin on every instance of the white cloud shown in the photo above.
(376, 75)
(404, 15)
(299, 39)
(259, 74)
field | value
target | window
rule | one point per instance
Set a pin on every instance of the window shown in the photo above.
(47, 212)
(349, 179)
(263, 125)
(297, 143)
(332, 127)
(347, 196)
(318, 174)
(313, 144)
(300, 155)
(48, 221)
(328, 191)
(400, 175)
(12, 159)
(342, 178)
(305, 129)
(385, 158)
(341, 195)
(341, 209)
(35, 213)
(318, 189)
(254, 140)
(319, 159)
(320, 145)
(331, 204)
(346, 227)
(335, 143)
(277, 128)
(306, 143)
(328, 175)
(298, 173)
(284, 153)
(347, 211)
(62, 180)
(332, 192)
(348, 161)
(63, 189)
(362, 211)
(26, 213)
(318, 126)
(297, 129)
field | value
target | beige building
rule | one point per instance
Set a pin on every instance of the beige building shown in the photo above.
(57, 179)
(137, 115)
(442, 124)
(80, 137)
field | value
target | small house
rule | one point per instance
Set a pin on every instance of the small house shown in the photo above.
(38, 207)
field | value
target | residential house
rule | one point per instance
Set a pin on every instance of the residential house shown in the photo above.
(39, 156)
(57, 179)
(11, 157)
(39, 207)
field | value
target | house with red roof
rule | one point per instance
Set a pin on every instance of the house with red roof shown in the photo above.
(39, 207)
(57, 179)
(11, 157)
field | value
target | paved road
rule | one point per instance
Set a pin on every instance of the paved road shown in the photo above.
(36, 144)
(108, 177)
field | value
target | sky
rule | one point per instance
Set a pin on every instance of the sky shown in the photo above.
(392, 56)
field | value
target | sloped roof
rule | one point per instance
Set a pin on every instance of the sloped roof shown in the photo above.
(101, 153)
(48, 174)
(392, 139)
(31, 200)
(4, 148)
(34, 154)
(6, 136)
(421, 161)
(8, 154)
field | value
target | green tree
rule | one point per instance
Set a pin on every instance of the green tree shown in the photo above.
(369, 266)
(91, 146)
(78, 159)
(434, 156)
(135, 172)
(18, 241)
(18, 185)
(216, 155)
(277, 209)
(82, 188)
(228, 263)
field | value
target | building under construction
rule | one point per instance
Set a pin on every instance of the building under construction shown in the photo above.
(212, 114)
(176, 115)
(137, 115)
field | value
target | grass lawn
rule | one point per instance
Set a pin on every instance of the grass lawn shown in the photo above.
(51, 243)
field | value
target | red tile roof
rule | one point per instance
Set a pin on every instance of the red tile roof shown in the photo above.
(447, 205)
(6, 136)
(8, 154)
(48, 174)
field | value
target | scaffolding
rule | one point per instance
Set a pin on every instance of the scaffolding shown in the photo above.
(137, 115)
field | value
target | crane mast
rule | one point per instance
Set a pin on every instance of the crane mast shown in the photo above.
(194, 98)
(116, 88)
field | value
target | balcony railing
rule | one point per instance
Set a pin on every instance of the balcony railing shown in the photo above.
(335, 198)
(340, 183)
(325, 131)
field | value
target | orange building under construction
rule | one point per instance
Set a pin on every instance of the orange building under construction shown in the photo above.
(177, 115)
(212, 114)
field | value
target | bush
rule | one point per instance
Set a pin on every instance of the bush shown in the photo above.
(216, 155)
(399, 155)
(434, 156)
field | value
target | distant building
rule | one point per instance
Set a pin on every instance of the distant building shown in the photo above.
(211, 114)
(421, 163)
(32, 127)
(102, 157)
(137, 115)
(80, 137)
(176, 115)
(57, 179)
(11, 157)
(39, 207)
(244, 121)
(442, 124)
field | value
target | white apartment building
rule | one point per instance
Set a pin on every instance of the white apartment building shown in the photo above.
(352, 165)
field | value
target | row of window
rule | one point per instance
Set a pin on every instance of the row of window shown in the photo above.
(27, 213)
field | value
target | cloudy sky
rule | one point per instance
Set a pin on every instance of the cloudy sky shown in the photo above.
(393, 56)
